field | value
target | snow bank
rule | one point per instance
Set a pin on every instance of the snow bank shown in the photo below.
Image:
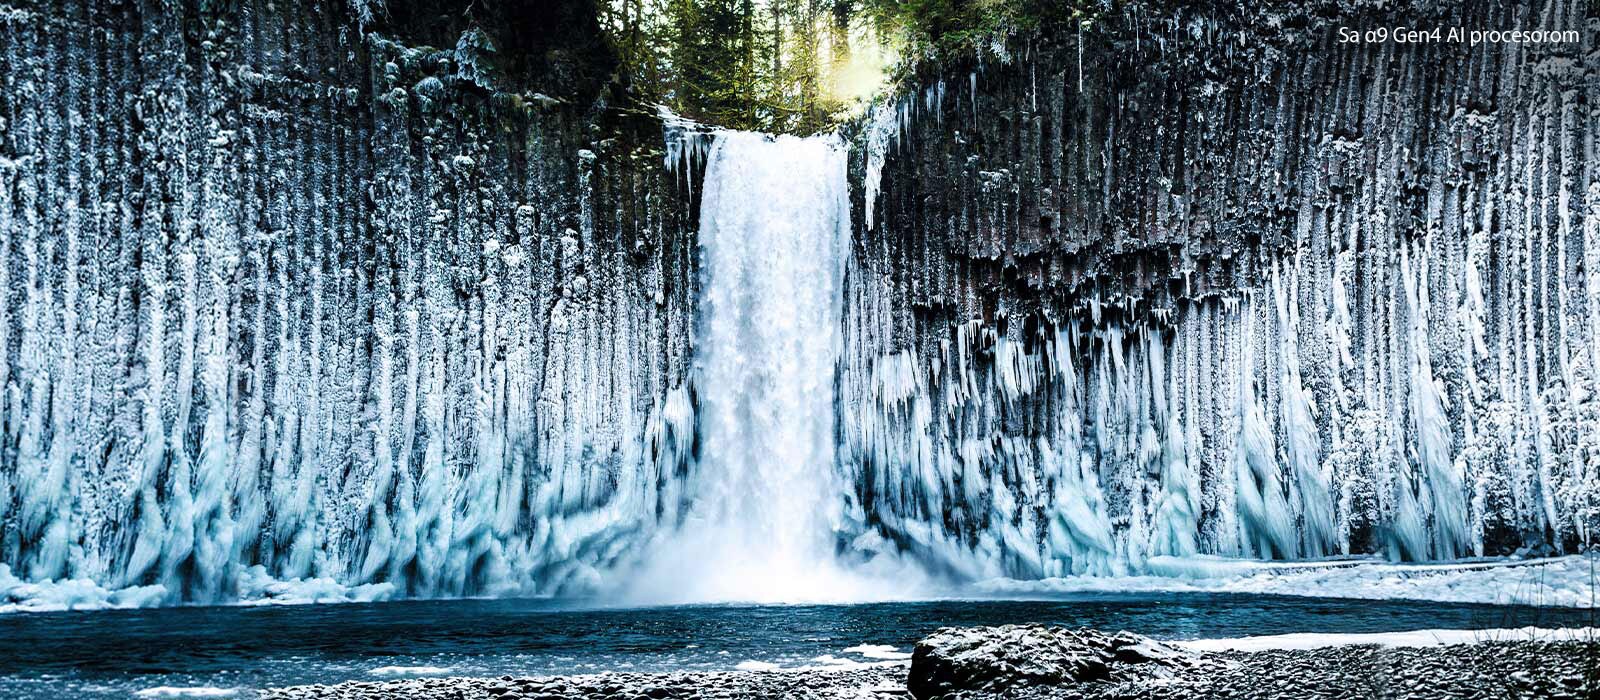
(253, 586)
(17, 595)
(1416, 638)
(1561, 582)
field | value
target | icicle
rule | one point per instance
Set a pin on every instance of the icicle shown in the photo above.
(882, 129)
(1301, 442)
(1439, 529)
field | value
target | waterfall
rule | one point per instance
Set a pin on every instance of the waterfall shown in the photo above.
(774, 232)
(774, 224)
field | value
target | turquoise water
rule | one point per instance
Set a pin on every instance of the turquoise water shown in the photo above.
(116, 653)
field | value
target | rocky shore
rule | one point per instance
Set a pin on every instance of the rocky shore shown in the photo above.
(869, 683)
(1030, 662)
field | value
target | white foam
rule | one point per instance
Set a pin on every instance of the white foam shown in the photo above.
(1415, 638)
(826, 662)
(410, 671)
(831, 661)
(257, 588)
(878, 651)
(203, 691)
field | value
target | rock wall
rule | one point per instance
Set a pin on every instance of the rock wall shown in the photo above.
(1207, 280)
(285, 296)
(292, 303)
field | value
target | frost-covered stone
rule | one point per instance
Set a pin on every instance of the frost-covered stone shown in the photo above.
(995, 658)
(261, 338)
(1233, 298)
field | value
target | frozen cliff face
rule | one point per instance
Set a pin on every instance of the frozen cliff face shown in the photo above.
(276, 293)
(1222, 285)
(286, 297)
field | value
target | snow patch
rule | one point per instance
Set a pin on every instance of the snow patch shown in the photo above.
(878, 651)
(1562, 582)
(1415, 638)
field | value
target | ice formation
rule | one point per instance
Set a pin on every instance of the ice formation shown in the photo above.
(262, 339)
(1090, 448)
(1558, 582)
(284, 325)
(1258, 308)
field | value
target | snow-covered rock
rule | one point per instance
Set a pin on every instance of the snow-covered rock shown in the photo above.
(995, 658)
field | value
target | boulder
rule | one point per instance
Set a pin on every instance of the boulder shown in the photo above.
(995, 658)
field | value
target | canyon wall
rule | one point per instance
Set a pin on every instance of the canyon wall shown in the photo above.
(363, 299)
(286, 294)
(1209, 280)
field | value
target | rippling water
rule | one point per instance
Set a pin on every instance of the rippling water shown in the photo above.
(118, 653)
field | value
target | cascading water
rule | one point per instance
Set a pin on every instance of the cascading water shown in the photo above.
(774, 232)
(774, 225)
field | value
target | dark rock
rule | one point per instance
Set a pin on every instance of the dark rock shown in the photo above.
(996, 658)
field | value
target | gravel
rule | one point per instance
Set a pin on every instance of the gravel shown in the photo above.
(865, 683)
(1493, 669)
(1485, 670)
